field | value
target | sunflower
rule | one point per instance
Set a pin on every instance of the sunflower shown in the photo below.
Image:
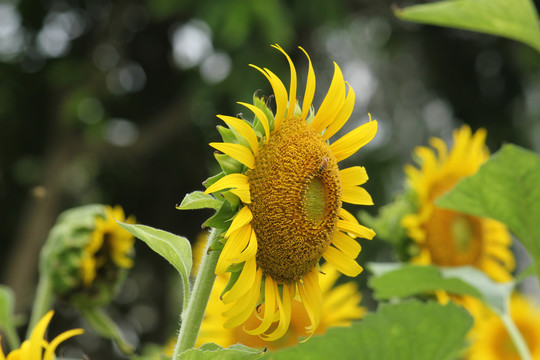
(109, 243)
(490, 339)
(32, 349)
(340, 306)
(449, 238)
(290, 212)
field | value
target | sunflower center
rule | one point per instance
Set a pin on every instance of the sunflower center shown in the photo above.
(295, 190)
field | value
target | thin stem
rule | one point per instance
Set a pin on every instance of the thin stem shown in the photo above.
(516, 336)
(42, 301)
(192, 315)
(12, 337)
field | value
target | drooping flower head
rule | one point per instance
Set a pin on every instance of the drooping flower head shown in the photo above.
(446, 237)
(87, 255)
(289, 192)
(37, 348)
(490, 339)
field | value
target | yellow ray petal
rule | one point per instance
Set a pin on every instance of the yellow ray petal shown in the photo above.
(243, 308)
(36, 337)
(346, 244)
(233, 247)
(332, 102)
(261, 116)
(356, 195)
(269, 307)
(237, 152)
(243, 194)
(356, 229)
(280, 94)
(310, 88)
(342, 262)
(243, 217)
(354, 140)
(244, 130)
(292, 88)
(250, 251)
(310, 293)
(355, 175)
(234, 181)
(244, 283)
(343, 115)
(49, 353)
(284, 314)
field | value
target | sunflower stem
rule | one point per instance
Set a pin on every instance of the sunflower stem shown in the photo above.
(516, 337)
(42, 301)
(192, 315)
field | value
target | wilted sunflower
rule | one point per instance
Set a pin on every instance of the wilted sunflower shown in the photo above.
(446, 237)
(291, 192)
(490, 339)
(340, 306)
(36, 347)
(109, 243)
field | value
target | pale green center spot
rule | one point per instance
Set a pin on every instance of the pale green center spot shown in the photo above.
(462, 233)
(315, 201)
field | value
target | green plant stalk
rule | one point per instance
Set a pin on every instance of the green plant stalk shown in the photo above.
(192, 315)
(516, 337)
(12, 337)
(42, 301)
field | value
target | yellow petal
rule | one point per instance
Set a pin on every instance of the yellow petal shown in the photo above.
(332, 102)
(49, 353)
(310, 89)
(355, 175)
(243, 194)
(354, 140)
(244, 283)
(343, 115)
(356, 195)
(356, 229)
(36, 337)
(292, 88)
(342, 262)
(243, 217)
(346, 244)
(237, 152)
(310, 293)
(244, 129)
(234, 181)
(243, 308)
(250, 251)
(233, 247)
(284, 314)
(269, 307)
(280, 93)
(261, 116)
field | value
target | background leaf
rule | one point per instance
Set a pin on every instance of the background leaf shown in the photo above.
(7, 320)
(505, 188)
(106, 327)
(404, 280)
(513, 19)
(199, 200)
(175, 249)
(410, 330)
(213, 351)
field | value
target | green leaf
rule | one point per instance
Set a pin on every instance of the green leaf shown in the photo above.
(216, 352)
(403, 280)
(175, 249)
(199, 200)
(410, 330)
(7, 319)
(395, 280)
(105, 326)
(505, 188)
(513, 19)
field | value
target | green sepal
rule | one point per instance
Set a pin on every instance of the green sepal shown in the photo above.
(213, 179)
(199, 200)
(228, 164)
(231, 198)
(106, 327)
(269, 115)
(227, 135)
(221, 219)
(234, 277)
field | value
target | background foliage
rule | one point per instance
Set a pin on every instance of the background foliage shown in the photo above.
(115, 102)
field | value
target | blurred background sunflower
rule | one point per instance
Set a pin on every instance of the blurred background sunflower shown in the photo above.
(115, 102)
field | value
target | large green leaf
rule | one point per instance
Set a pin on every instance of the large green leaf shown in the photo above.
(409, 330)
(404, 280)
(175, 249)
(216, 352)
(505, 188)
(514, 19)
